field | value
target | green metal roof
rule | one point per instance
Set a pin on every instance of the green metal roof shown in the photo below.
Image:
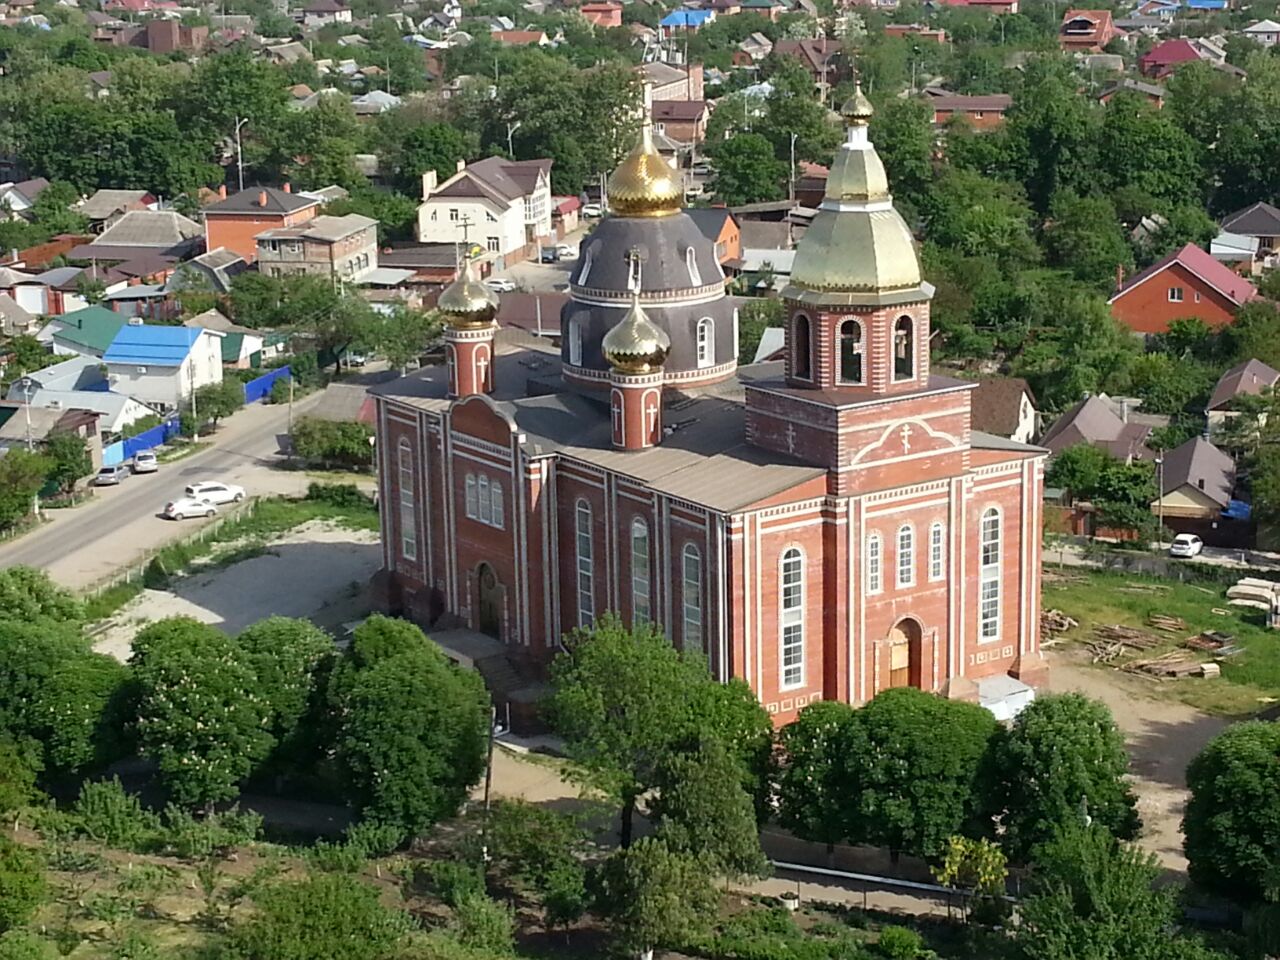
(93, 327)
(231, 344)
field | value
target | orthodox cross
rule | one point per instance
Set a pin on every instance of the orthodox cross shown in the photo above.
(633, 270)
(791, 438)
(905, 433)
(651, 411)
(482, 362)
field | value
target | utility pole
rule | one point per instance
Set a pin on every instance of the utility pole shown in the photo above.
(1160, 500)
(239, 152)
(512, 127)
(31, 446)
(195, 418)
(792, 190)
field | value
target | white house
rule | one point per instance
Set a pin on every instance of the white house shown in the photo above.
(322, 13)
(1264, 32)
(502, 205)
(163, 366)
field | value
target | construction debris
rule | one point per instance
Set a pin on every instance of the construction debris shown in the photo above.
(1055, 621)
(1137, 639)
(1167, 623)
(1210, 670)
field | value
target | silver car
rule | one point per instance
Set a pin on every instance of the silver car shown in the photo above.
(110, 476)
(144, 461)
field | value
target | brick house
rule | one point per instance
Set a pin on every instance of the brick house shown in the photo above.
(926, 33)
(822, 529)
(1164, 58)
(236, 221)
(345, 248)
(682, 120)
(720, 226)
(605, 15)
(1186, 283)
(984, 112)
(821, 57)
(1087, 31)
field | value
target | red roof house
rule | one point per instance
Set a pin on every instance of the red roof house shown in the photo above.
(1162, 59)
(1186, 283)
(1087, 30)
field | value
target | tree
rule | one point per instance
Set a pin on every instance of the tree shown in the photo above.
(653, 896)
(332, 916)
(200, 715)
(1052, 133)
(902, 132)
(28, 594)
(484, 924)
(69, 455)
(333, 442)
(29, 354)
(810, 803)
(757, 315)
(227, 87)
(1143, 148)
(22, 474)
(1232, 823)
(744, 170)
(1063, 754)
(1078, 470)
(911, 770)
(1085, 238)
(404, 336)
(81, 712)
(428, 146)
(980, 217)
(22, 884)
(542, 851)
(288, 657)
(702, 810)
(977, 867)
(214, 401)
(413, 728)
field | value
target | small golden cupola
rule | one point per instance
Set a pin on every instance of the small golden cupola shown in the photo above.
(467, 303)
(644, 184)
(636, 345)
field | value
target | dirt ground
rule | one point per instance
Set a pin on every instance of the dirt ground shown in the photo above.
(319, 571)
(1163, 737)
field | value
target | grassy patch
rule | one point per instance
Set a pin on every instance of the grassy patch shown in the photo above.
(1101, 598)
(341, 476)
(180, 450)
(110, 600)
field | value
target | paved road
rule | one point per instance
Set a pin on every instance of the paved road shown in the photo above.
(79, 546)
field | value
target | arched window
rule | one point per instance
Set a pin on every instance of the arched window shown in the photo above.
(906, 556)
(586, 598)
(851, 352)
(484, 500)
(937, 555)
(706, 342)
(640, 608)
(800, 360)
(499, 511)
(691, 261)
(904, 345)
(691, 598)
(575, 342)
(482, 491)
(408, 515)
(473, 509)
(791, 612)
(875, 581)
(586, 269)
(989, 576)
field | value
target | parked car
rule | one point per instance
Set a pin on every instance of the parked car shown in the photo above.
(215, 491)
(144, 461)
(592, 210)
(501, 284)
(186, 507)
(549, 255)
(353, 358)
(566, 252)
(110, 476)
(1186, 545)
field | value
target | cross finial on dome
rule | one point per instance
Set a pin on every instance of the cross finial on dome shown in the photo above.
(857, 110)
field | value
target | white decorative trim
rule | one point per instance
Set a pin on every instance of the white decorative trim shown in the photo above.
(905, 422)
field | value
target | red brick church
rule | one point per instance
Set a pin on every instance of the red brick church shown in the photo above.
(824, 527)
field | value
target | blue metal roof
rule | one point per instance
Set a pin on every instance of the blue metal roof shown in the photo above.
(146, 343)
(686, 18)
(1206, 4)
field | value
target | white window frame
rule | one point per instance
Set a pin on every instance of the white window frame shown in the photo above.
(875, 563)
(705, 338)
(791, 619)
(691, 598)
(575, 342)
(497, 505)
(472, 504)
(493, 244)
(906, 556)
(484, 514)
(586, 269)
(484, 500)
(1176, 295)
(937, 551)
(990, 533)
(641, 574)
(408, 511)
(583, 559)
(691, 261)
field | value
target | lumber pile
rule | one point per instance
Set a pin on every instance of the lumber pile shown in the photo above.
(1055, 621)
(1166, 623)
(1128, 636)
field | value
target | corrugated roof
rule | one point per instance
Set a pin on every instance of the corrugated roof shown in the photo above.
(1231, 285)
(249, 200)
(145, 344)
(1199, 464)
(1249, 377)
(150, 228)
(92, 328)
(106, 202)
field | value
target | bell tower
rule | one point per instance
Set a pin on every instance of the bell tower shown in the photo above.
(469, 308)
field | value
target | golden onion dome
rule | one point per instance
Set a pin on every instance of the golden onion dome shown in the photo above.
(644, 184)
(636, 344)
(467, 302)
(857, 109)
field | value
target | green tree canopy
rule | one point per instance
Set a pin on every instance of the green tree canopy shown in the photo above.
(22, 884)
(745, 170)
(810, 802)
(653, 896)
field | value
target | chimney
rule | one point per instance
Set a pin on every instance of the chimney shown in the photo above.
(262, 198)
(460, 166)
(429, 183)
(288, 188)
(222, 191)
(1124, 409)
(1119, 275)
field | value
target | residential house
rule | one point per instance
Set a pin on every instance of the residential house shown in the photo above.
(1195, 481)
(214, 270)
(1165, 10)
(1250, 378)
(1242, 254)
(721, 227)
(105, 207)
(810, 186)
(115, 410)
(1212, 49)
(754, 48)
(916, 30)
(1195, 7)
(1085, 31)
(87, 332)
(821, 57)
(234, 223)
(1094, 421)
(284, 54)
(15, 320)
(61, 290)
(605, 15)
(1186, 283)
(672, 83)
(536, 313)
(41, 255)
(682, 120)
(375, 102)
(239, 344)
(1164, 58)
(724, 8)
(522, 38)
(17, 198)
(99, 84)
(565, 215)
(1005, 407)
(343, 403)
(163, 36)
(983, 112)
(502, 204)
(1154, 93)
(434, 265)
(994, 6)
(1266, 33)
(163, 366)
(1151, 27)
(345, 248)
(324, 13)
(144, 231)
(1259, 220)
(771, 10)
(685, 21)
(21, 425)
(75, 373)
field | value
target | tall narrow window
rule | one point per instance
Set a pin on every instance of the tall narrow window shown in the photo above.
(791, 590)
(585, 269)
(575, 342)
(851, 352)
(989, 576)
(586, 599)
(706, 340)
(875, 582)
(906, 556)
(641, 611)
(937, 557)
(482, 491)
(408, 515)
(904, 357)
(473, 510)
(498, 511)
(691, 261)
(800, 349)
(691, 598)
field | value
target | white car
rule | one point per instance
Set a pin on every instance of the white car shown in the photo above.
(592, 210)
(566, 252)
(189, 507)
(144, 461)
(501, 284)
(1186, 545)
(215, 491)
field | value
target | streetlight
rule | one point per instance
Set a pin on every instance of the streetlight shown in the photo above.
(792, 190)
(512, 128)
(195, 419)
(26, 384)
(1159, 500)
(240, 153)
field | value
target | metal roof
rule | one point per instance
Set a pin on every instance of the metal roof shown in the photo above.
(145, 344)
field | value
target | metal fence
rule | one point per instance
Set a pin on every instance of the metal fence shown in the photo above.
(260, 387)
(122, 450)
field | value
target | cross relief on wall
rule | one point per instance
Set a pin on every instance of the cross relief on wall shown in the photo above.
(905, 439)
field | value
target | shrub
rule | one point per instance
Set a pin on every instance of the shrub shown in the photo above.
(899, 943)
(484, 924)
(453, 880)
(338, 495)
(374, 839)
(199, 839)
(22, 884)
(279, 391)
(106, 812)
(336, 857)
(324, 441)
(23, 945)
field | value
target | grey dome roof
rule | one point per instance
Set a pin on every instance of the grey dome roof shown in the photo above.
(662, 243)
